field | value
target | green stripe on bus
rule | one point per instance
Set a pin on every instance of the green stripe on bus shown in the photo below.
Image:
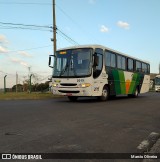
(116, 81)
(138, 80)
(134, 82)
(122, 82)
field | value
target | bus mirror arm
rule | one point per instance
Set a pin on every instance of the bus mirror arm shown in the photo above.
(50, 60)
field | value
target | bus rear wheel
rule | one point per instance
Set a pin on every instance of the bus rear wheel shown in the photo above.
(105, 94)
(72, 98)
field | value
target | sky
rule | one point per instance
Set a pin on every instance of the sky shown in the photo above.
(129, 26)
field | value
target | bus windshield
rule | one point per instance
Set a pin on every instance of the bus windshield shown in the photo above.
(73, 63)
(157, 81)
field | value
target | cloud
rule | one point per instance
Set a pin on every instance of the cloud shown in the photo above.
(3, 39)
(3, 50)
(92, 1)
(23, 53)
(104, 29)
(123, 24)
(24, 64)
(14, 60)
(18, 61)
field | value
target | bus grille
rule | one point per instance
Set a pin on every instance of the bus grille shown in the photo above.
(67, 91)
(68, 84)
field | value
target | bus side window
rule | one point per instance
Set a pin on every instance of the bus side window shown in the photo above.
(108, 58)
(138, 66)
(130, 64)
(121, 62)
(113, 60)
(144, 68)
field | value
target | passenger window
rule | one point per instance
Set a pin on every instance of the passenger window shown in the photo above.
(130, 64)
(121, 62)
(113, 60)
(144, 68)
(138, 66)
(108, 58)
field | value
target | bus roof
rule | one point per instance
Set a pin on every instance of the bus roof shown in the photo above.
(104, 48)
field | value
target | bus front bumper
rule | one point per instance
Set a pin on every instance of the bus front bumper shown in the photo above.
(87, 91)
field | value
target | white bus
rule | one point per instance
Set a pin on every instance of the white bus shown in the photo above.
(95, 70)
(157, 83)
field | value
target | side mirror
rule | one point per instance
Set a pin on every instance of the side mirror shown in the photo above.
(96, 60)
(50, 63)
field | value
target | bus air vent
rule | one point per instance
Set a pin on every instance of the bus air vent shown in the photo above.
(67, 91)
(68, 84)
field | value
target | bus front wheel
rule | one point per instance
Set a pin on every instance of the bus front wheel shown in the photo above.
(105, 94)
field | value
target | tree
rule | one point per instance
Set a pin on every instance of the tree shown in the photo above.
(19, 88)
(26, 85)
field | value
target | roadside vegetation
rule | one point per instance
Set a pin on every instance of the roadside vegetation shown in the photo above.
(25, 95)
(27, 91)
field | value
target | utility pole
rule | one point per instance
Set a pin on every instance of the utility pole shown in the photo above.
(159, 68)
(5, 83)
(30, 84)
(54, 28)
(29, 73)
(16, 82)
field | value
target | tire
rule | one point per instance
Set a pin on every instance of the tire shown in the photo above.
(105, 94)
(112, 96)
(73, 98)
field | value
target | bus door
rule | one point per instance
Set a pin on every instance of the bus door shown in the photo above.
(97, 71)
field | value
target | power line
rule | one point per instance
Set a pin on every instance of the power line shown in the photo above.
(24, 3)
(68, 40)
(36, 27)
(10, 27)
(42, 26)
(67, 37)
(67, 15)
(4, 25)
(77, 24)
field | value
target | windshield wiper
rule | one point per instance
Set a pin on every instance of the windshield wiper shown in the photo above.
(73, 69)
(64, 70)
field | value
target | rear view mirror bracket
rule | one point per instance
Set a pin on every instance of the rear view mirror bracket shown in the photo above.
(50, 60)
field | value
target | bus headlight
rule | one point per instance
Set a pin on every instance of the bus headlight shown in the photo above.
(54, 85)
(84, 85)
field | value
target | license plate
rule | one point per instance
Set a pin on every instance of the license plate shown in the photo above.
(69, 94)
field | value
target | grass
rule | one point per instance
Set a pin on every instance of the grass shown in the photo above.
(25, 95)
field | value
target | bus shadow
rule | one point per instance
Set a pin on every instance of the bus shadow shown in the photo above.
(95, 99)
(111, 99)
